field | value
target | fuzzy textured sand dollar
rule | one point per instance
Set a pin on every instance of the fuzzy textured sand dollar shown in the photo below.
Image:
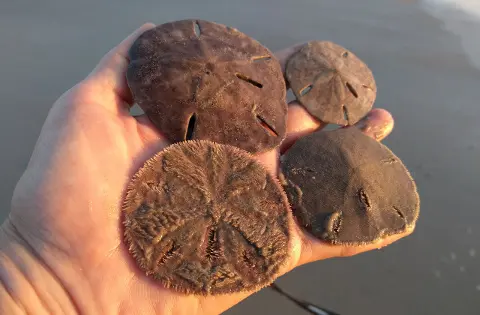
(331, 82)
(206, 218)
(347, 188)
(198, 80)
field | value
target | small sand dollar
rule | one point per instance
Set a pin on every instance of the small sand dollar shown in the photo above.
(346, 188)
(198, 80)
(206, 218)
(331, 82)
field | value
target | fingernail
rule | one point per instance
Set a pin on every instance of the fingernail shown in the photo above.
(362, 124)
(376, 125)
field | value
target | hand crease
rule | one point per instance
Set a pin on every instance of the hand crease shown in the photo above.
(15, 233)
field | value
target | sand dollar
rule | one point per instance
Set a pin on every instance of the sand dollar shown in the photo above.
(201, 80)
(331, 82)
(206, 218)
(346, 188)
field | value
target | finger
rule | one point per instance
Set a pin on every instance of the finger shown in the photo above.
(108, 81)
(378, 124)
(150, 141)
(299, 123)
(284, 55)
(314, 249)
(270, 160)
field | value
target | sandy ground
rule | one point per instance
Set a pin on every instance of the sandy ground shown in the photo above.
(424, 78)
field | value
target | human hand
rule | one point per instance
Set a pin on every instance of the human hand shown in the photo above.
(62, 249)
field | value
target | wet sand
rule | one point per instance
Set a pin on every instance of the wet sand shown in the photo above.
(424, 78)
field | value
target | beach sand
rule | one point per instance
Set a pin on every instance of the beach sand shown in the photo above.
(424, 76)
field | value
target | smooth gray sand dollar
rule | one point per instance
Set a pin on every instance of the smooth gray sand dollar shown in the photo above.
(206, 218)
(201, 80)
(346, 188)
(331, 82)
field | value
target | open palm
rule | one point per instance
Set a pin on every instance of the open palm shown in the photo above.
(66, 206)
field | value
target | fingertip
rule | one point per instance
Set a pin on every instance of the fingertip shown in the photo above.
(378, 124)
(125, 45)
(110, 60)
(108, 79)
(380, 114)
(147, 25)
(285, 54)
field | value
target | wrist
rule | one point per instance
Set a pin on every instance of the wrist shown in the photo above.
(28, 286)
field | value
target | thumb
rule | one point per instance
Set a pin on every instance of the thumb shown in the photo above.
(107, 82)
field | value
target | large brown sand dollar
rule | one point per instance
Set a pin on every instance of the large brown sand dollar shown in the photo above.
(202, 80)
(346, 188)
(331, 82)
(206, 218)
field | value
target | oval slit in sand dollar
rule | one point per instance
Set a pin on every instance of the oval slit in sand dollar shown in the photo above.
(191, 127)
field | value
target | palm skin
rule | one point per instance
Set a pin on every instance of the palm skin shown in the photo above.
(66, 207)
